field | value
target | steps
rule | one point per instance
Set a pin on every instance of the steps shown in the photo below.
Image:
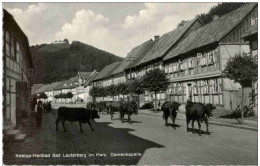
(12, 134)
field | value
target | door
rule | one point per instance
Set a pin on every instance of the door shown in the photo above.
(189, 91)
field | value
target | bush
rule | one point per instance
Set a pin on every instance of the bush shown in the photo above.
(248, 112)
(147, 106)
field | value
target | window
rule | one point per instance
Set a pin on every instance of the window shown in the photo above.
(190, 62)
(179, 88)
(215, 85)
(203, 60)
(7, 62)
(195, 87)
(13, 48)
(180, 65)
(11, 64)
(166, 69)
(17, 52)
(206, 86)
(7, 43)
(211, 57)
(171, 69)
(174, 67)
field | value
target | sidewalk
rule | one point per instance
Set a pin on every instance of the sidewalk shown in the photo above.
(247, 125)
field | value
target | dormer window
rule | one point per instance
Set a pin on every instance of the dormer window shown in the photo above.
(65, 84)
(211, 57)
(190, 63)
(203, 60)
(180, 65)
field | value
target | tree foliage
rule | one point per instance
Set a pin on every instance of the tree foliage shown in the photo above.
(64, 96)
(41, 95)
(95, 91)
(155, 81)
(56, 62)
(136, 86)
(219, 10)
(242, 68)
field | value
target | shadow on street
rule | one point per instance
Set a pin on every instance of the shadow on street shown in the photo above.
(99, 146)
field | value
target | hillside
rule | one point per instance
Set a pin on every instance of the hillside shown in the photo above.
(219, 10)
(55, 62)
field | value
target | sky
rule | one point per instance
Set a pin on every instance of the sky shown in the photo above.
(113, 27)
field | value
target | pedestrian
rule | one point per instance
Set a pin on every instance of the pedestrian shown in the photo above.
(49, 106)
(44, 107)
(159, 106)
(39, 109)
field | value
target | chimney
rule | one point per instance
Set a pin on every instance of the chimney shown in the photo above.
(156, 37)
(215, 17)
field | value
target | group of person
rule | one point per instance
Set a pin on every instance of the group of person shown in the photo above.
(41, 108)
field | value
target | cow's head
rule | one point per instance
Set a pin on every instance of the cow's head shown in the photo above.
(175, 106)
(209, 108)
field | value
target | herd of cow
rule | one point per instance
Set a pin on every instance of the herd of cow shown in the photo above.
(194, 112)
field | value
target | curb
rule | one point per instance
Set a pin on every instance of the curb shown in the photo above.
(212, 123)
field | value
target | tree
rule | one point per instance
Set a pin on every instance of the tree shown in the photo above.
(102, 92)
(66, 40)
(136, 87)
(155, 81)
(42, 96)
(69, 95)
(112, 90)
(242, 69)
(94, 92)
(124, 89)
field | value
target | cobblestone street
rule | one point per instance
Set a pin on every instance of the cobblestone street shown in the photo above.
(146, 135)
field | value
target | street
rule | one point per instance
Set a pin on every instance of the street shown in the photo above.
(146, 136)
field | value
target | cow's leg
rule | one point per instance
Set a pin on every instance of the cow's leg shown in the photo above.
(166, 120)
(192, 123)
(57, 123)
(129, 117)
(90, 125)
(207, 126)
(63, 125)
(80, 125)
(188, 122)
(173, 121)
(199, 127)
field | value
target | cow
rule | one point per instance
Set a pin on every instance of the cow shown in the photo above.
(102, 108)
(170, 109)
(127, 108)
(198, 112)
(113, 108)
(82, 115)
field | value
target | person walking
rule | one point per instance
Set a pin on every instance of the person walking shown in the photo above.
(159, 106)
(44, 107)
(39, 108)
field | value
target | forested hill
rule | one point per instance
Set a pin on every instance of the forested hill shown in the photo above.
(56, 62)
(219, 10)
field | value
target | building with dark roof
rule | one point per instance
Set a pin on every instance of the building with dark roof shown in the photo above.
(76, 85)
(103, 78)
(252, 36)
(195, 65)
(17, 73)
(152, 56)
